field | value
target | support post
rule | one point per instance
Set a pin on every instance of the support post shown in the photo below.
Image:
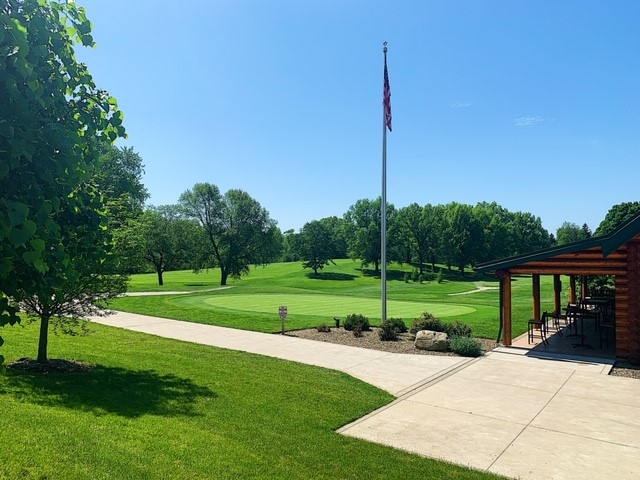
(506, 308)
(572, 287)
(535, 279)
(557, 289)
(585, 290)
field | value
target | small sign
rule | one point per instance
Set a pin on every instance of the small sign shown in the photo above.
(283, 311)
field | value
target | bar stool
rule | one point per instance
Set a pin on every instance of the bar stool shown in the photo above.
(540, 325)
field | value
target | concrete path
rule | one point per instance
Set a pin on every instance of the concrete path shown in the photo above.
(522, 417)
(393, 372)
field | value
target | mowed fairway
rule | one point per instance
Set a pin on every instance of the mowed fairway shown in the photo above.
(328, 306)
(340, 289)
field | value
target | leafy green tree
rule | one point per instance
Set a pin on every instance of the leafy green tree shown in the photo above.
(166, 239)
(463, 235)
(290, 246)
(315, 245)
(527, 234)
(363, 227)
(415, 228)
(239, 230)
(617, 216)
(49, 109)
(118, 175)
(495, 224)
(80, 276)
(336, 228)
(586, 231)
(570, 232)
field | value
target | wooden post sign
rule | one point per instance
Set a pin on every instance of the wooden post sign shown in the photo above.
(283, 315)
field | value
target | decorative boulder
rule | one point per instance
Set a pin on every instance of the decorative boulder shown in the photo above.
(434, 341)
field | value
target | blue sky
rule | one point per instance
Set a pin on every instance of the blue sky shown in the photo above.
(531, 104)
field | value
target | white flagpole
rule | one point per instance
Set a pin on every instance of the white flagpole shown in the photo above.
(383, 213)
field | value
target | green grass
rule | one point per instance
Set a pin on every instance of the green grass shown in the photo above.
(252, 303)
(157, 408)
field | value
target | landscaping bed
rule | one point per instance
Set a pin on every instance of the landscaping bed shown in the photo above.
(371, 340)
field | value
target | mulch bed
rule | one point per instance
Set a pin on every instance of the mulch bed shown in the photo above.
(54, 365)
(371, 340)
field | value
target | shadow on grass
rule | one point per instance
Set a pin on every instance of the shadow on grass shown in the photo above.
(129, 393)
(201, 284)
(331, 276)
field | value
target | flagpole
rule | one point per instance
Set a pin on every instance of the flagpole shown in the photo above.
(383, 213)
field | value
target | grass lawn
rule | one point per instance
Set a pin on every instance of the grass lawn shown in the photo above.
(157, 408)
(252, 303)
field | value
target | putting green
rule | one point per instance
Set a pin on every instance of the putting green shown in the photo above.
(332, 305)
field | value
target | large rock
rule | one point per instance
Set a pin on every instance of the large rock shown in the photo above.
(434, 341)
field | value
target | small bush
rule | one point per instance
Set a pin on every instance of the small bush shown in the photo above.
(398, 325)
(354, 320)
(407, 277)
(458, 329)
(440, 277)
(357, 331)
(414, 275)
(387, 332)
(421, 278)
(466, 346)
(324, 328)
(426, 321)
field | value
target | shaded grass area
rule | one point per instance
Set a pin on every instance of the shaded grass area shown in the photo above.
(345, 279)
(158, 408)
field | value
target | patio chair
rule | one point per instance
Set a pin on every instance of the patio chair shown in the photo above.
(556, 317)
(538, 325)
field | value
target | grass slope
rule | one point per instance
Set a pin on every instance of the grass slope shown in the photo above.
(156, 408)
(341, 289)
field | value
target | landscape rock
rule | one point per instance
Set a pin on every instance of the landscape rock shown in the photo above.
(433, 341)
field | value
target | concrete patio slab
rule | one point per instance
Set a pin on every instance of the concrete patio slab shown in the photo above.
(539, 454)
(501, 402)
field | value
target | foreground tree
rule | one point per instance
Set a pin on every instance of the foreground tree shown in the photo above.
(49, 109)
(239, 230)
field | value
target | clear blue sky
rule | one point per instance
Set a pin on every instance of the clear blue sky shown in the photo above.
(532, 104)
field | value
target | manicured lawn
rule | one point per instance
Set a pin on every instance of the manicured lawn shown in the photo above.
(252, 303)
(156, 408)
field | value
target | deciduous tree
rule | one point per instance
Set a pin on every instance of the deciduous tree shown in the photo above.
(49, 109)
(239, 230)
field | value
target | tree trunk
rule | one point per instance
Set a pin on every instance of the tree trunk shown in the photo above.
(160, 280)
(223, 276)
(44, 339)
(315, 270)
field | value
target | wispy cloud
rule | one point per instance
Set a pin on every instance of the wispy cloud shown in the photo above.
(460, 105)
(528, 121)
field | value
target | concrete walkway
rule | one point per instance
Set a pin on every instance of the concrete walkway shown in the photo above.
(393, 372)
(522, 417)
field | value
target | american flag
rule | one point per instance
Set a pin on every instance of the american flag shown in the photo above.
(387, 96)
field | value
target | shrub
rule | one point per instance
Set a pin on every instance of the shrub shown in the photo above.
(466, 346)
(426, 321)
(324, 328)
(440, 277)
(407, 277)
(458, 329)
(398, 325)
(387, 332)
(354, 320)
(357, 331)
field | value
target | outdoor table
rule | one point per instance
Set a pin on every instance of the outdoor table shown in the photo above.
(581, 314)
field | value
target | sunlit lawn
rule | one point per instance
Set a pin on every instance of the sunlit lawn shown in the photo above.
(252, 302)
(155, 408)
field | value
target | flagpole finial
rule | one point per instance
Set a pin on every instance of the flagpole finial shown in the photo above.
(385, 47)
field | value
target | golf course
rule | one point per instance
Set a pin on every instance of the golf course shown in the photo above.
(252, 302)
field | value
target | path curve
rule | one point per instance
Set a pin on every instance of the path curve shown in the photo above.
(151, 294)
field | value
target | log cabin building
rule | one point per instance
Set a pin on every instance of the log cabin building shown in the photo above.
(616, 254)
